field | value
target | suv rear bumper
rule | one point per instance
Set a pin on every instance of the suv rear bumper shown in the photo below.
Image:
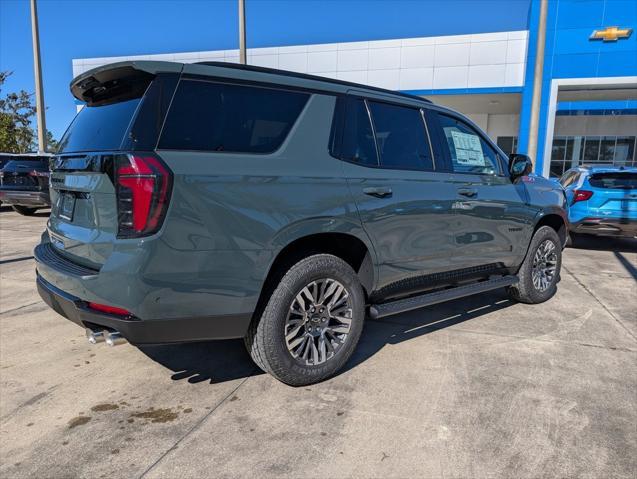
(35, 199)
(606, 226)
(137, 331)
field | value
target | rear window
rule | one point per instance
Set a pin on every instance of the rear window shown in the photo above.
(207, 116)
(618, 180)
(358, 138)
(401, 137)
(99, 127)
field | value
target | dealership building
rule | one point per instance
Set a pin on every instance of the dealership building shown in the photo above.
(562, 88)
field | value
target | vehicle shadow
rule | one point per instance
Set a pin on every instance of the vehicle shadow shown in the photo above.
(220, 361)
(413, 324)
(40, 213)
(211, 361)
(628, 266)
(604, 243)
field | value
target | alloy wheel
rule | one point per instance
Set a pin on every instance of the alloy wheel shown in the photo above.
(544, 265)
(318, 321)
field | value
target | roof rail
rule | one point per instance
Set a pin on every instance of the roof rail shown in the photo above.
(598, 165)
(306, 76)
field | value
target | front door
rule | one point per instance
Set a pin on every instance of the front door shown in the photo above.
(492, 221)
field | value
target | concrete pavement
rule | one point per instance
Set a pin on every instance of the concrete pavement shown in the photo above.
(481, 387)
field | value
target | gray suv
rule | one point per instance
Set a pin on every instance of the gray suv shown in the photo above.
(210, 201)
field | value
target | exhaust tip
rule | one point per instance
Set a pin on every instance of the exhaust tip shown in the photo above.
(114, 338)
(94, 336)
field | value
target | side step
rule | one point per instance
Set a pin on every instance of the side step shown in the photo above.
(401, 305)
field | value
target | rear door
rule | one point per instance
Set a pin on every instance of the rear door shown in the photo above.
(614, 194)
(119, 123)
(404, 204)
(492, 220)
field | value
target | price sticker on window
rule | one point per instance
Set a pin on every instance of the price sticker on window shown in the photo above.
(468, 149)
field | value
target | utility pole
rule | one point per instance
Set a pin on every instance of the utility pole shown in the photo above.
(37, 68)
(242, 32)
(536, 100)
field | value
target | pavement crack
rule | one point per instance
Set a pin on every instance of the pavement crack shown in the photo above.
(192, 429)
(612, 315)
(15, 260)
(19, 307)
(512, 336)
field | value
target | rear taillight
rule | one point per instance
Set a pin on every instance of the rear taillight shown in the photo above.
(104, 308)
(143, 186)
(581, 195)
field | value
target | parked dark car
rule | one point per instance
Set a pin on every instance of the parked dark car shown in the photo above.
(24, 182)
(210, 201)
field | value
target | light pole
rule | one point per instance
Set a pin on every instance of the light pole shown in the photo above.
(536, 100)
(242, 32)
(37, 69)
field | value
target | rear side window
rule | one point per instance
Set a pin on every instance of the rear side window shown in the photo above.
(401, 137)
(614, 180)
(221, 117)
(468, 151)
(569, 178)
(358, 138)
(99, 127)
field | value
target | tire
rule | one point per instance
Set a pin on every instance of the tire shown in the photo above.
(24, 210)
(327, 342)
(533, 292)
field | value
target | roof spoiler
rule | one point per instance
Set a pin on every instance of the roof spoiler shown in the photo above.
(118, 81)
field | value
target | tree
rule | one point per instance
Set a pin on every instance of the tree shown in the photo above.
(51, 143)
(16, 118)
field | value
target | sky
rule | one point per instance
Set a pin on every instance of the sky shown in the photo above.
(98, 28)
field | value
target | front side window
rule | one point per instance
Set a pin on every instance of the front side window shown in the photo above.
(469, 152)
(221, 117)
(401, 137)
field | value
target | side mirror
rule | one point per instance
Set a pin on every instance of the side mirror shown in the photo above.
(519, 165)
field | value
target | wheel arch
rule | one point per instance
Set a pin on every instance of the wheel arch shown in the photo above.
(349, 242)
(556, 219)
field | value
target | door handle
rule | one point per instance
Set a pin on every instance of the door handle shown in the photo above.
(378, 191)
(468, 192)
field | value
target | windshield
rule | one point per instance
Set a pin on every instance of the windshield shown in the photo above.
(98, 128)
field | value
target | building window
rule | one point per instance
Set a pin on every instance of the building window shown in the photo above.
(571, 151)
(508, 144)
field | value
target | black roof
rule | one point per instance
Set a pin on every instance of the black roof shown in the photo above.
(306, 76)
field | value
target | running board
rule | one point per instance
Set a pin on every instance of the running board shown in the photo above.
(401, 305)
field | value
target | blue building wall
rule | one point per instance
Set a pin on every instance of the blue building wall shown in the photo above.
(569, 52)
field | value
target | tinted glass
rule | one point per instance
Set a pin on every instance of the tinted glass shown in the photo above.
(619, 180)
(506, 144)
(401, 137)
(591, 149)
(624, 150)
(230, 118)
(358, 139)
(469, 152)
(99, 127)
(607, 150)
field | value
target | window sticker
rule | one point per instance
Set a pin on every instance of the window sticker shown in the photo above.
(468, 149)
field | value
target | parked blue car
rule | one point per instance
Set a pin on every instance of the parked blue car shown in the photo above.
(602, 200)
